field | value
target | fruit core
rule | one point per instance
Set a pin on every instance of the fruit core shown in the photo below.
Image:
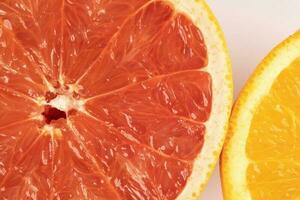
(60, 104)
(51, 113)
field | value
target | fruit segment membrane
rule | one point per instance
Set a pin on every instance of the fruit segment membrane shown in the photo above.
(100, 99)
(273, 146)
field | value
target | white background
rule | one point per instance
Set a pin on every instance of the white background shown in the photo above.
(252, 28)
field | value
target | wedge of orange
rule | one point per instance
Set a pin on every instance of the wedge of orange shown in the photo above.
(261, 158)
(110, 99)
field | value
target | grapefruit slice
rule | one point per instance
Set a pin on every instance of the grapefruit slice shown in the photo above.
(260, 160)
(110, 99)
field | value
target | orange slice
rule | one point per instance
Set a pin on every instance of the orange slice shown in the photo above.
(110, 99)
(261, 157)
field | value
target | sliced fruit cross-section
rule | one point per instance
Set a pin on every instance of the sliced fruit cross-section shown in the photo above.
(261, 157)
(110, 99)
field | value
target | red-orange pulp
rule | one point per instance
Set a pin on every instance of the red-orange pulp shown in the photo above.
(133, 65)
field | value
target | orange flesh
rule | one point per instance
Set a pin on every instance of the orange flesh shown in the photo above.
(274, 141)
(135, 66)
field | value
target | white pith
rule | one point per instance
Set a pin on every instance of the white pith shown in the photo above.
(63, 103)
(219, 69)
(235, 160)
(66, 103)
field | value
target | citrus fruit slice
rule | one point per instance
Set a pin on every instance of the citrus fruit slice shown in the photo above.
(110, 99)
(260, 160)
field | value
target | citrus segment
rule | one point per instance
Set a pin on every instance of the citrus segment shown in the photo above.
(85, 37)
(152, 112)
(30, 22)
(19, 108)
(10, 135)
(119, 156)
(109, 99)
(23, 74)
(49, 173)
(19, 168)
(146, 46)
